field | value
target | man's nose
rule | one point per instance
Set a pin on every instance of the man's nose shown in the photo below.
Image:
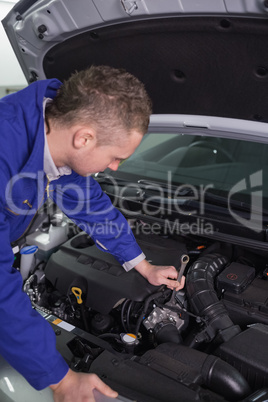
(114, 165)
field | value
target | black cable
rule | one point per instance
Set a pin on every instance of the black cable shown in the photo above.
(145, 308)
(84, 318)
(128, 315)
(37, 266)
(108, 335)
(123, 313)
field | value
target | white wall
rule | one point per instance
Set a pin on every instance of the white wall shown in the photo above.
(11, 74)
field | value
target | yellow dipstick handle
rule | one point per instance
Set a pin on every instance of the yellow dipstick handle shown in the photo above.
(78, 294)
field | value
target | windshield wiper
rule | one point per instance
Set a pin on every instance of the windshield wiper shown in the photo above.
(235, 204)
(182, 195)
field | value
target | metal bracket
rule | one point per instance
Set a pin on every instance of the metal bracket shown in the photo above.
(129, 6)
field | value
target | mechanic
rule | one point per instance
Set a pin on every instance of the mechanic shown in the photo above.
(53, 137)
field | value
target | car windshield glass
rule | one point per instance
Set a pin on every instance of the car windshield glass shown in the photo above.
(222, 165)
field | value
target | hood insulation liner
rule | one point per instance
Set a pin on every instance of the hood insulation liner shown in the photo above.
(202, 65)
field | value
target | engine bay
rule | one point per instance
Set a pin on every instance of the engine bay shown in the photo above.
(206, 342)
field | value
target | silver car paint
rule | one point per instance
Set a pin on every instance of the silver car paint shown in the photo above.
(14, 387)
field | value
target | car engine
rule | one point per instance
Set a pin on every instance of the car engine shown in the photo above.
(207, 342)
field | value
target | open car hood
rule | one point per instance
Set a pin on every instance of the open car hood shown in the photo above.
(198, 58)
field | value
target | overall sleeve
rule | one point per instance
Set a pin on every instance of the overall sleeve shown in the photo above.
(84, 202)
(27, 341)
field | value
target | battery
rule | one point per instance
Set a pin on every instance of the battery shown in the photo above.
(235, 278)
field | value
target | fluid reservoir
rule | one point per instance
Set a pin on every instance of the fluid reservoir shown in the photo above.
(130, 340)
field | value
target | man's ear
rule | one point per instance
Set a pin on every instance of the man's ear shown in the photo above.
(83, 137)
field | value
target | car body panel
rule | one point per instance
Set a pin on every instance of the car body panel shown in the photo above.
(14, 387)
(213, 126)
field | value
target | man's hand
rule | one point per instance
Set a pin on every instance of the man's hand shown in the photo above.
(79, 387)
(160, 275)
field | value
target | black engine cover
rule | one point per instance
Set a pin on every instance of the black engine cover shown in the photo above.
(101, 278)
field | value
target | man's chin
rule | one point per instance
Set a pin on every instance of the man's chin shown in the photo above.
(84, 174)
(87, 174)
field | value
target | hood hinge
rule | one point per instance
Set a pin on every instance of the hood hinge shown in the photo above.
(129, 6)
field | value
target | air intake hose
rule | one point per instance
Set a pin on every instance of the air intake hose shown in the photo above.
(204, 300)
(191, 366)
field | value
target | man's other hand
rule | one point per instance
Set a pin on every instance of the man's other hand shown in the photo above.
(79, 387)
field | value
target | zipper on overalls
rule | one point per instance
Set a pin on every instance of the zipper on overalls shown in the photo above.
(47, 187)
(46, 191)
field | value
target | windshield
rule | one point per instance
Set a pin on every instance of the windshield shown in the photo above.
(189, 176)
(214, 162)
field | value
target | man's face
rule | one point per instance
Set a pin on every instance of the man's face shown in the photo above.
(100, 157)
